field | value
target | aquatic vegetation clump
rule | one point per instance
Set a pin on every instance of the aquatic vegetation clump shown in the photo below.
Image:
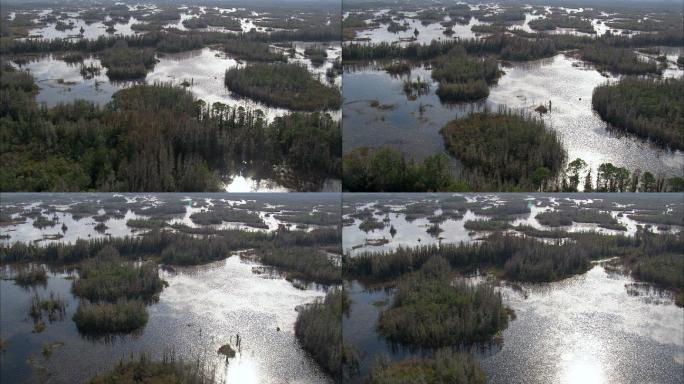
(147, 371)
(107, 277)
(446, 367)
(252, 51)
(430, 310)
(227, 214)
(649, 108)
(319, 330)
(566, 217)
(283, 85)
(371, 224)
(618, 60)
(317, 55)
(511, 150)
(310, 264)
(122, 316)
(31, 276)
(124, 63)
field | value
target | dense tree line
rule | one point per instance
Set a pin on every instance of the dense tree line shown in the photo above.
(168, 247)
(430, 310)
(386, 170)
(319, 330)
(283, 85)
(446, 367)
(252, 51)
(647, 255)
(648, 108)
(220, 214)
(153, 138)
(610, 178)
(168, 41)
(507, 46)
(512, 150)
(559, 21)
(208, 20)
(618, 60)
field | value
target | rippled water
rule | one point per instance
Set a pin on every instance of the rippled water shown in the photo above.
(561, 80)
(585, 329)
(202, 308)
(583, 133)
(597, 327)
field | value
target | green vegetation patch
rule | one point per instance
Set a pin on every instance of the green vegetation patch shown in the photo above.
(108, 278)
(124, 63)
(30, 276)
(123, 316)
(319, 330)
(649, 108)
(252, 51)
(283, 85)
(618, 60)
(230, 215)
(566, 217)
(512, 150)
(385, 170)
(146, 371)
(304, 263)
(447, 367)
(486, 225)
(431, 310)
(316, 54)
(125, 149)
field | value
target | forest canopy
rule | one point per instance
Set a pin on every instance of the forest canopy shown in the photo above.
(153, 138)
(283, 85)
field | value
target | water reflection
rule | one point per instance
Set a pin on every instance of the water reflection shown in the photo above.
(199, 311)
(569, 87)
(412, 126)
(584, 329)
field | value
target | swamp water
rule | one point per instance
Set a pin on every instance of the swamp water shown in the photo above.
(597, 327)
(202, 308)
